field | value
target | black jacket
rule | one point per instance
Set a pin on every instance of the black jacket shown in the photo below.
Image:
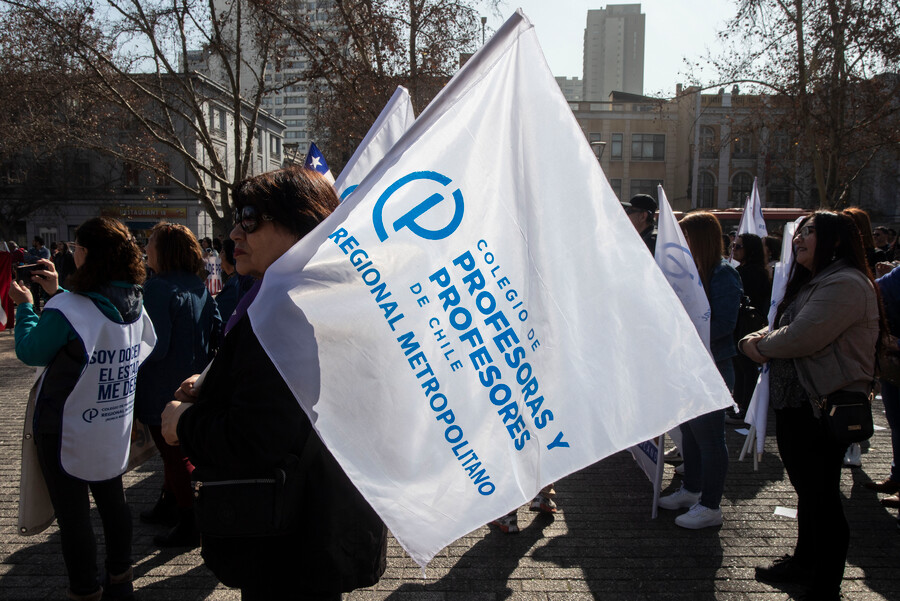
(246, 420)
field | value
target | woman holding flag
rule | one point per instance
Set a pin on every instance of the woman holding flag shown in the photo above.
(703, 444)
(825, 340)
(244, 430)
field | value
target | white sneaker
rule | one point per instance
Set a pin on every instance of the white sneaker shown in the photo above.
(853, 456)
(680, 499)
(698, 517)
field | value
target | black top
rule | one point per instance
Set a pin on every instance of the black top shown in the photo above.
(245, 421)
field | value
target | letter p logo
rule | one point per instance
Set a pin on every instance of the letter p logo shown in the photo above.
(409, 220)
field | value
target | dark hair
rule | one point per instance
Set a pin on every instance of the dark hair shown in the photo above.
(753, 250)
(837, 237)
(176, 248)
(38, 240)
(217, 245)
(773, 243)
(296, 198)
(861, 218)
(112, 255)
(228, 250)
(704, 233)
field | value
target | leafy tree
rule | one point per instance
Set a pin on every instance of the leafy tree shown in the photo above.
(832, 67)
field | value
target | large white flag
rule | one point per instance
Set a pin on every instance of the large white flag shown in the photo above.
(479, 318)
(393, 121)
(677, 263)
(758, 410)
(752, 221)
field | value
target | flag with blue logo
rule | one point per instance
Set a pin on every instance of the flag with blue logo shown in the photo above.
(752, 221)
(315, 160)
(479, 319)
(677, 263)
(393, 121)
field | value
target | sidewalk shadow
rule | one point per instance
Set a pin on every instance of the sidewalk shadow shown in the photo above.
(38, 571)
(621, 551)
(485, 569)
(874, 539)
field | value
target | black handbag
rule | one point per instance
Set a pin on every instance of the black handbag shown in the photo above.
(267, 505)
(847, 416)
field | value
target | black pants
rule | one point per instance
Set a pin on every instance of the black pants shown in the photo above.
(813, 464)
(73, 514)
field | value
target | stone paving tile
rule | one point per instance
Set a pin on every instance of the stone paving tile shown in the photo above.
(601, 545)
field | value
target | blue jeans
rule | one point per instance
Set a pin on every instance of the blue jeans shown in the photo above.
(704, 450)
(891, 397)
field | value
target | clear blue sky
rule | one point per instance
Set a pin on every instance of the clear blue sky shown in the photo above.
(675, 29)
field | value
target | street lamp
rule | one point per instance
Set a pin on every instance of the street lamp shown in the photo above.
(598, 148)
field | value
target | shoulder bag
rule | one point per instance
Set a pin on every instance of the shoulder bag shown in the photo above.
(847, 416)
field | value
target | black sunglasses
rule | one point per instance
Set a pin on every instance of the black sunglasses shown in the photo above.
(249, 217)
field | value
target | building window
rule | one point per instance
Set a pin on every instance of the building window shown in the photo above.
(81, 173)
(615, 152)
(289, 112)
(645, 186)
(217, 120)
(709, 147)
(274, 146)
(779, 194)
(742, 148)
(617, 187)
(295, 135)
(648, 147)
(594, 137)
(706, 190)
(741, 187)
(131, 176)
(295, 100)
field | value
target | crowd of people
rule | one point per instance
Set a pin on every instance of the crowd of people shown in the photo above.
(221, 415)
(827, 331)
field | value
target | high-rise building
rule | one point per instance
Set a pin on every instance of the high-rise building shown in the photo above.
(571, 88)
(614, 51)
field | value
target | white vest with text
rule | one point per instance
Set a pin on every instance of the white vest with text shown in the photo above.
(96, 423)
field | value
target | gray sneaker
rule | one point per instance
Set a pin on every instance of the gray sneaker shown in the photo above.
(680, 499)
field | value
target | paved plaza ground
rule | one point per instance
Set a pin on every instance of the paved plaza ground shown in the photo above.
(602, 544)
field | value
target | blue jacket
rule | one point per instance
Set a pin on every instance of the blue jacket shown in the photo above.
(188, 329)
(724, 294)
(889, 285)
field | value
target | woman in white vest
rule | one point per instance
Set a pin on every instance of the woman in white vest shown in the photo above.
(92, 341)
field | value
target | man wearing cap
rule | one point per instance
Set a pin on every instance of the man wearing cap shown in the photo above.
(640, 210)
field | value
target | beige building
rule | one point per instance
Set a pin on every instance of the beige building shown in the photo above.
(704, 149)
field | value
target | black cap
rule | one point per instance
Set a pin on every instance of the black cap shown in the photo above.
(642, 201)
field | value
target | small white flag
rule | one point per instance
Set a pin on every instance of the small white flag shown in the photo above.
(395, 118)
(677, 263)
(758, 410)
(752, 221)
